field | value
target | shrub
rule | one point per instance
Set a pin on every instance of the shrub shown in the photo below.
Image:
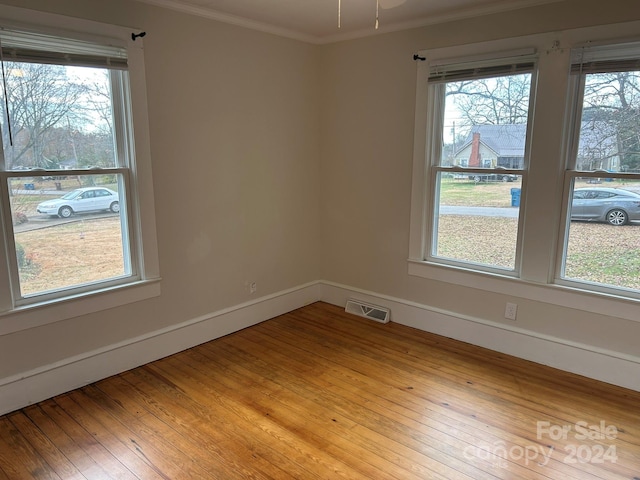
(23, 261)
(20, 218)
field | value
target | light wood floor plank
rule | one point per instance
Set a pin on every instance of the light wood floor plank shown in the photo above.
(374, 430)
(169, 452)
(18, 458)
(522, 418)
(65, 444)
(3, 476)
(85, 441)
(265, 427)
(210, 426)
(409, 398)
(308, 417)
(49, 452)
(320, 394)
(425, 427)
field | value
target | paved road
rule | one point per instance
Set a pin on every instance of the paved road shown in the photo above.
(57, 193)
(509, 212)
(37, 222)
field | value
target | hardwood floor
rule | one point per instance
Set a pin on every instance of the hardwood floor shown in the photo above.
(319, 394)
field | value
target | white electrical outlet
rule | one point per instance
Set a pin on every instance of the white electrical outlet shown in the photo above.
(511, 311)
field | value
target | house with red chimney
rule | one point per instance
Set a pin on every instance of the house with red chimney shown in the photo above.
(491, 146)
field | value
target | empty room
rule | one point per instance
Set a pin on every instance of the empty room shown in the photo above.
(358, 239)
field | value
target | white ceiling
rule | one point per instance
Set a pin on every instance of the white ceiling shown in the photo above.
(316, 21)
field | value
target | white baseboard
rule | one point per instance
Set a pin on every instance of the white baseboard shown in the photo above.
(607, 366)
(48, 381)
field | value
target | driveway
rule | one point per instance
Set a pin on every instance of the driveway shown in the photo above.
(509, 212)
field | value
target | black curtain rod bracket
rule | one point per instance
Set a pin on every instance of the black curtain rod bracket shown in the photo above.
(137, 35)
(418, 57)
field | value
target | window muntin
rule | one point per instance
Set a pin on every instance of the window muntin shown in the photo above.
(479, 142)
(66, 127)
(601, 249)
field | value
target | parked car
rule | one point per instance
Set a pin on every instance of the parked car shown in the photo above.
(615, 206)
(86, 199)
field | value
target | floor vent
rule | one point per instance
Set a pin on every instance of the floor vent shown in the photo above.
(373, 312)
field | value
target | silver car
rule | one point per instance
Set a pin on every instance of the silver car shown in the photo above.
(612, 205)
(81, 200)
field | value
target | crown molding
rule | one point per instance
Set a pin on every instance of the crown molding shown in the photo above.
(233, 20)
(436, 19)
(339, 37)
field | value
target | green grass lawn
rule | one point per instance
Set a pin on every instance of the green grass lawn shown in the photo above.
(468, 193)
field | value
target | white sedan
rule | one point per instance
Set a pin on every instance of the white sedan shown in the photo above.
(86, 199)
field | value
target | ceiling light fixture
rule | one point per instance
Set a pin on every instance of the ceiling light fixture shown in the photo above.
(386, 4)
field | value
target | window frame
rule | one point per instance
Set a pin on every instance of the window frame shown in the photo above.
(128, 231)
(545, 207)
(122, 133)
(577, 82)
(435, 128)
(17, 314)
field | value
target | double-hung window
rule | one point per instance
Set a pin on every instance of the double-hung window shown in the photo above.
(477, 132)
(70, 178)
(601, 248)
(526, 173)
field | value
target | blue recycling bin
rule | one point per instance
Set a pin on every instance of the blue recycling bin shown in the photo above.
(515, 197)
(29, 186)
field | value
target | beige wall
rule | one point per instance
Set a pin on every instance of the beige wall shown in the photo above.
(283, 163)
(368, 106)
(234, 143)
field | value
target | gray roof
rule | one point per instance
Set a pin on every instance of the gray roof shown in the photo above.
(505, 140)
(596, 139)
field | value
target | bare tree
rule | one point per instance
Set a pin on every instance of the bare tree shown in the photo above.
(492, 101)
(41, 99)
(98, 101)
(614, 99)
(611, 112)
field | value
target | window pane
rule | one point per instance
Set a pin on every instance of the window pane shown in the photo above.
(484, 129)
(485, 122)
(603, 242)
(68, 231)
(59, 117)
(477, 222)
(610, 127)
(603, 245)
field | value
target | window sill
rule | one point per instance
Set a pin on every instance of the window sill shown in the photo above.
(560, 295)
(38, 314)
